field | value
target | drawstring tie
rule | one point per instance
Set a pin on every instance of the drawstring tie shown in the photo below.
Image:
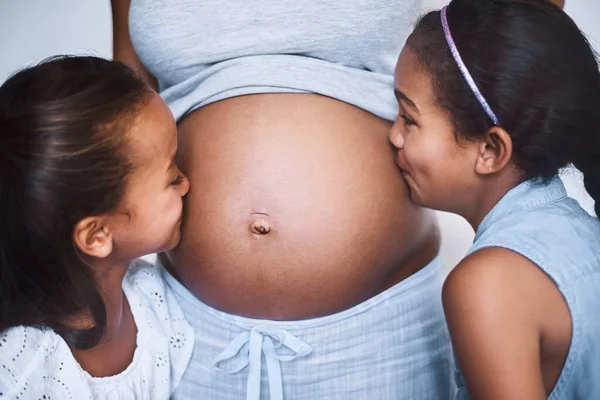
(277, 345)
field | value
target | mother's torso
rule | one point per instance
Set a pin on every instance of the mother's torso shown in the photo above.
(296, 209)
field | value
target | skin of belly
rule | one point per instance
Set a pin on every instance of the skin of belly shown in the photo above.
(296, 208)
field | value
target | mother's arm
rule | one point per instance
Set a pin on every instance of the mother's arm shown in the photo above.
(122, 47)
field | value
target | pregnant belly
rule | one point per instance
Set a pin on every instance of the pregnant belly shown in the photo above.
(296, 208)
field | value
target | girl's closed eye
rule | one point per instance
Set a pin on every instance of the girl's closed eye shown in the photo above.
(178, 180)
(402, 114)
(407, 120)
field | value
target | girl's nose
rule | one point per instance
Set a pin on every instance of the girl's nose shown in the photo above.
(396, 137)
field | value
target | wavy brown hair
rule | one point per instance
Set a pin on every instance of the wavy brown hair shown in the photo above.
(63, 157)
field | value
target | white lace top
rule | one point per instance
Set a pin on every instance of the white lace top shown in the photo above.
(38, 364)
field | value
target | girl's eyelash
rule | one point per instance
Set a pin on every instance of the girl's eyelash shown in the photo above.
(407, 120)
(178, 180)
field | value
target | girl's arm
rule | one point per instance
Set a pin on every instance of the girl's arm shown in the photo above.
(122, 47)
(492, 307)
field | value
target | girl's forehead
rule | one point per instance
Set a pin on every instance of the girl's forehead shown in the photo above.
(412, 81)
(154, 130)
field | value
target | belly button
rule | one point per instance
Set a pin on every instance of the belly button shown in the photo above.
(260, 224)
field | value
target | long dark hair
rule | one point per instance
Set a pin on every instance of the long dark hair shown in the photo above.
(536, 70)
(63, 157)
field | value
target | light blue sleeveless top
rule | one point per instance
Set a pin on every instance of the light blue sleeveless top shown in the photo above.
(541, 223)
(202, 51)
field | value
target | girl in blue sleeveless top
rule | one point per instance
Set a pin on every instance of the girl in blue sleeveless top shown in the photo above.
(496, 96)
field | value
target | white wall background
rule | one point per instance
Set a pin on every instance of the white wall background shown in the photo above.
(31, 30)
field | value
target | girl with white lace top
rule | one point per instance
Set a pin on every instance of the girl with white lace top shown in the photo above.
(88, 183)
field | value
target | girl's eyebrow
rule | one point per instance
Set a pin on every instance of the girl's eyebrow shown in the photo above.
(172, 162)
(400, 96)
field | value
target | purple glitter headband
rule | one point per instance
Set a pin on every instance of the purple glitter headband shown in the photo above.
(463, 69)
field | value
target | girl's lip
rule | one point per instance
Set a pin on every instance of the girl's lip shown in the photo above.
(400, 166)
(405, 174)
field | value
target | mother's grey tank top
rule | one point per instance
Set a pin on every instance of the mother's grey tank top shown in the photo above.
(203, 51)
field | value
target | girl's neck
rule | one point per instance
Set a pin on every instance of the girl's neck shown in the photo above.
(110, 283)
(115, 350)
(491, 192)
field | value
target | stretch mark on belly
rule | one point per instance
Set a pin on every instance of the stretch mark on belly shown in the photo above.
(260, 224)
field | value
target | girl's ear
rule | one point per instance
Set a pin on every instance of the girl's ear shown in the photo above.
(494, 152)
(93, 237)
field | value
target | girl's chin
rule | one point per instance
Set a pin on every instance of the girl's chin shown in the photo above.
(412, 190)
(174, 240)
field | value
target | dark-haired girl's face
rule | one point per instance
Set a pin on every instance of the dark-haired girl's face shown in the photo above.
(149, 217)
(438, 170)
